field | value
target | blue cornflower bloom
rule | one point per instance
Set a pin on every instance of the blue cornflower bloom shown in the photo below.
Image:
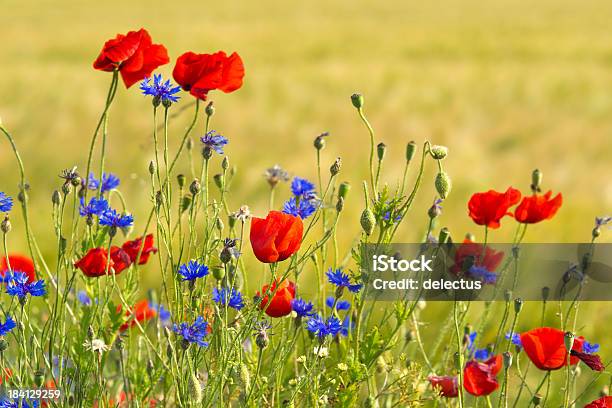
(301, 186)
(96, 206)
(482, 354)
(387, 217)
(18, 403)
(111, 218)
(601, 221)
(304, 209)
(83, 298)
(342, 280)
(231, 298)
(483, 274)
(301, 307)
(214, 141)
(192, 270)
(515, 338)
(19, 286)
(6, 202)
(347, 326)
(340, 304)
(322, 328)
(193, 333)
(160, 91)
(471, 341)
(7, 326)
(590, 348)
(109, 182)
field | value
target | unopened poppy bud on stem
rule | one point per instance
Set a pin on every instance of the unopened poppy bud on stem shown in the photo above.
(319, 142)
(181, 180)
(443, 184)
(6, 225)
(343, 189)
(357, 100)
(507, 358)
(537, 400)
(568, 339)
(536, 181)
(381, 149)
(518, 305)
(438, 152)
(545, 293)
(340, 204)
(218, 179)
(458, 358)
(367, 220)
(410, 150)
(225, 163)
(55, 197)
(210, 109)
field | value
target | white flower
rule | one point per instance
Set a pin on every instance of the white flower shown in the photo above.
(321, 352)
(96, 345)
(243, 213)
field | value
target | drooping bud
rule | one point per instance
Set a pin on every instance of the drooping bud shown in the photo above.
(336, 166)
(381, 149)
(181, 180)
(210, 109)
(536, 180)
(410, 150)
(319, 142)
(443, 184)
(438, 152)
(195, 187)
(357, 100)
(343, 189)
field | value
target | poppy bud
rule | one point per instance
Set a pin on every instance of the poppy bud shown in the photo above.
(90, 332)
(55, 197)
(218, 179)
(368, 221)
(319, 142)
(518, 305)
(195, 388)
(3, 345)
(66, 188)
(545, 293)
(444, 235)
(568, 339)
(438, 152)
(536, 180)
(219, 224)
(181, 180)
(340, 204)
(357, 100)
(39, 378)
(210, 109)
(381, 149)
(206, 152)
(410, 150)
(189, 144)
(21, 195)
(225, 163)
(443, 184)
(507, 359)
(6, 225)
(458, 358)
(335, 168)
(195, 187)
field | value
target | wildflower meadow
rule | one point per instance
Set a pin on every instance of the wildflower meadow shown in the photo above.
(264, 306)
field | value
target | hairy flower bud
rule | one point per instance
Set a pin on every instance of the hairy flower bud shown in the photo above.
(336, 166)
(195, 187)
(381, 149)
(410, 150)
(568, 339)
(262, 340)
(443, 184)
(6, 225)
(458, 359)
(219, 224)
(438, 152)
(195, 388)
(181, 180)
(319, 142)
(357, 100)
(368, 221)
(536, 180)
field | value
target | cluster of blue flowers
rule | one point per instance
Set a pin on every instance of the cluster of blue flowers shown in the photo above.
(192, 271)
(18, 403)
(342, 280)
(161, 91)
(107, 216)
(478, 354)
(193, 333)
(6, 202)
(230, 298)
(304, 201)
(214, 141)
(301, 307)
(18, 285)
(8, 325)
(323, 328)
(163, 314)
(483, 274)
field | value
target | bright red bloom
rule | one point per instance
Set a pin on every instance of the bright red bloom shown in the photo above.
(276, 237)
(280, 305)
(603, 402)
(141, 312)
(479, 377)
(93, 264)
(19, 263)
(490, 259)
(490, 207)
(8, 373)
(199, 74)
(538, 208)
(133, 54)
(133, 247)
(121, 259)
(447, 385)
(545, 347)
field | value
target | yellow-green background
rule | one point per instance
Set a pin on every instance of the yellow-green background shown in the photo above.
(508, 86)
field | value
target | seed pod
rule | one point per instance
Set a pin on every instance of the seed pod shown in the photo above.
(410, 150)
(368, 221)
(195, 388)
(438, 152)
(336, 166)
(181, 180)
(357, 100)
(381, 150)
(343, 189)
(443, 184)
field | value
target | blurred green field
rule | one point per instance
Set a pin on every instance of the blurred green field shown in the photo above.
(508, 86)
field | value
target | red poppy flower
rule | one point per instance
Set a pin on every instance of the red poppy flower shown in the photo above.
(479, 377)
(199, 74)
(481, 256)
(19, 263)
(280, 305)
(8, 373)
(545, 347)
(538, 208)
(93, 264)
(603, 402)
(490, 207)
(121, 259)
(133, 247)
(446, 385)
(276, 237)
(133, 54)
(141, 312)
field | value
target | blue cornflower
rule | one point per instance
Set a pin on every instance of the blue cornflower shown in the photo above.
(342, 280)
(6, 202)
(18, 403)
(109, 182)
(19, 286)
(482, 354)
(347, 326)
(193, 333)
(160, 91)
(231, 298)
(301, 186)
(515, 338)
(96, 206)
(304, 209)
(83, 298)
(214, 141)
(322, 328)
(111, 218)
(301, 307)
(481, 273)
(192, 270)
(471, 341)
(7, 326)
(340, 304)
(387, 217)
(590, 348)
(599, 221)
